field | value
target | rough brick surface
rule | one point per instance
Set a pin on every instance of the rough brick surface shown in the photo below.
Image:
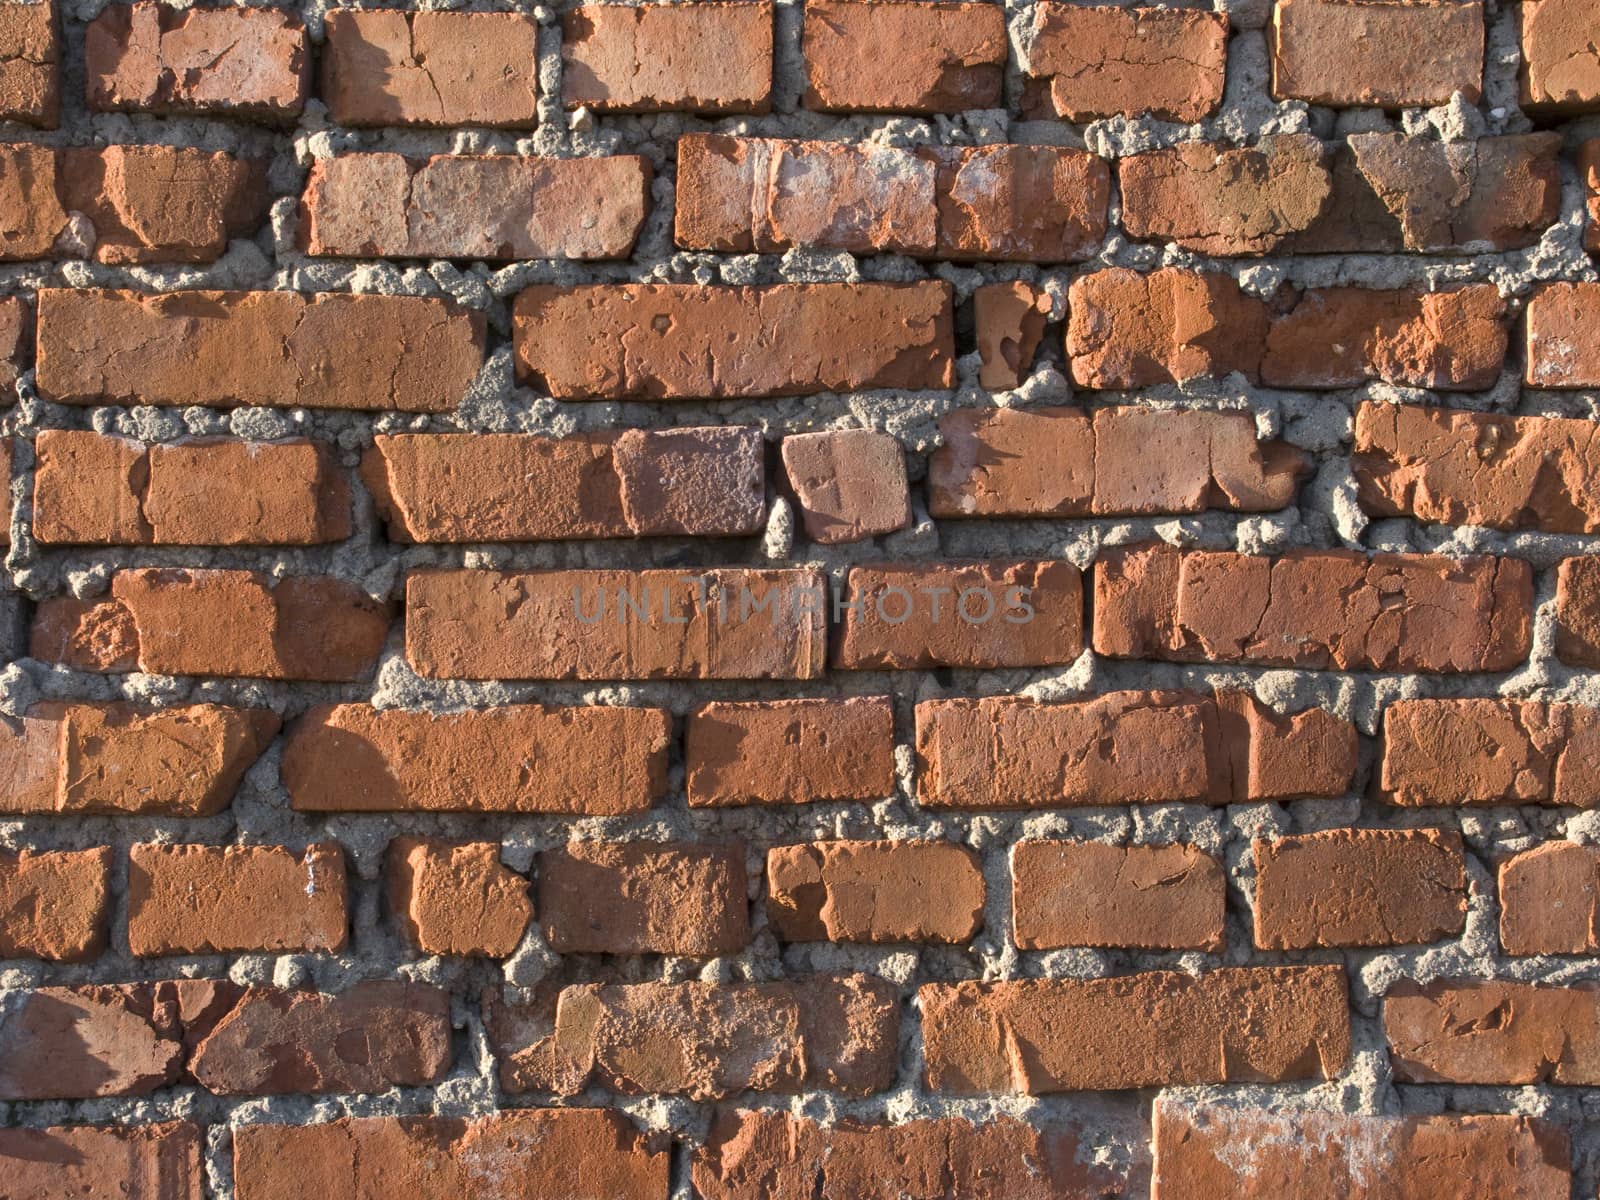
(1011, 318)
(1463, 1031)
(30, 64)
(874, 892)
(55, 904)
(934, 57)
(457, 898)
(704, 58)
(1377, 53)
(1578, 612)
(1560, 68)
(1550, 900)
(158, 1162)
(1092, 894)
(850, 485)
(1561, 337)
(789, 752)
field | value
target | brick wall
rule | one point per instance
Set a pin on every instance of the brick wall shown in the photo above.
(821, 601)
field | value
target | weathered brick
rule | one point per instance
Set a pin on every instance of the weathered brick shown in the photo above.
(16, 336)
(981, 615)
(927, 57)
(595, 761)
(1563, 335)
(715, 342)
(850, 484)
(1094, 894)
(1218, 1152)
(457, 898)
(1011, 318)
(391, 67)
(491, 207)
(244, 62)
(521, 1028)
(602, 624)
(235, 899)
(1389, 54)
(1156, 1029)
(572, 1152)
(1550, 900)
(789, 751)
(1461, 468)
(1319, 609)
(644, 898)
(236, 624)
(1359, 887)
(1063, 462)
(1588, 163)
(1578, 612)
(704, 57)
(275, 349)
(103, 490)
(1086, 62)
(1560, 68)
(68, 1043)
(708, 1041)
(54, 904)
(1499, 1032)
(142, 1162)
(916, 891)
(30, 64)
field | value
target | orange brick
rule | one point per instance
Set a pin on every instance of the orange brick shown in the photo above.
(789, 752)
(54, 904)
(1093, 894)
(705, 57)
(916, 891)
(928, 57)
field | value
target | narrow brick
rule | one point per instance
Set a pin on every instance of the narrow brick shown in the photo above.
(1318, 609)
(1578, 612)
(104, 490)
(592, 761)
(789, 751)
(272, 349)
(709, 1041)
(16, 338)
(613, 624)
(1064, 462)
(1550, 900)
(928, 57)
(1562, 320)
(496, 208)
(916, 891)
(1588, 162)
(54, 904)
(1138, 897)
(1493, 1032)
(391, 67)
(241, 62)
(850, 484)
(644, 898)
(30, 64)
(235, 624)
(1388, 54)
(1560, 74)
(718, 342)
(1011, 318)
(1085, 62)
(1359, 887)
(1155, 1029)
(143, 1162)
(457, 898)
(1219, 1152)
(235, 899)
(979, 615)
(581, 1152)
(706, 58)
(1461, 468)
(517, 487)
(71, 1043)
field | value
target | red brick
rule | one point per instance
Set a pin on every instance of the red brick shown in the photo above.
(987, 614)
(1560, 74)
(717, 342)
(16, 325)
(1499, 1033)
(1495, 752)
(275, 349)
(457, 898)
(1461, 468)
(54, 904)
(236, 624)
(1086, 62)
(927, 57)
(1217, 1152)
(235, 899)
(391, 67)
(789, 752)
(1389, 54)
(596, 761)
(100, 489)
(572, 1152)
(1550, 900)
(709, 1041)
(491, 207)
(916, 891)
(1093, 894)
(1578, 612)
(1064, 462)
(1319, 609)
(68, 1043)
(644, 898)
(1359, 887)
(614, 624)
(704, 58)
(850, 484)
(247, 62)
(30, 64)
(1156, 1029)
(142, 1162)
(1588, 163)
(1011, 318)
(1563, 326)
(1126, 748)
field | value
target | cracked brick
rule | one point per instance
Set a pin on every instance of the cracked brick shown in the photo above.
(706, 57)
(1499, 1032)
(927, 57)
(789, 751)
(30, 64)
(875, 892)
